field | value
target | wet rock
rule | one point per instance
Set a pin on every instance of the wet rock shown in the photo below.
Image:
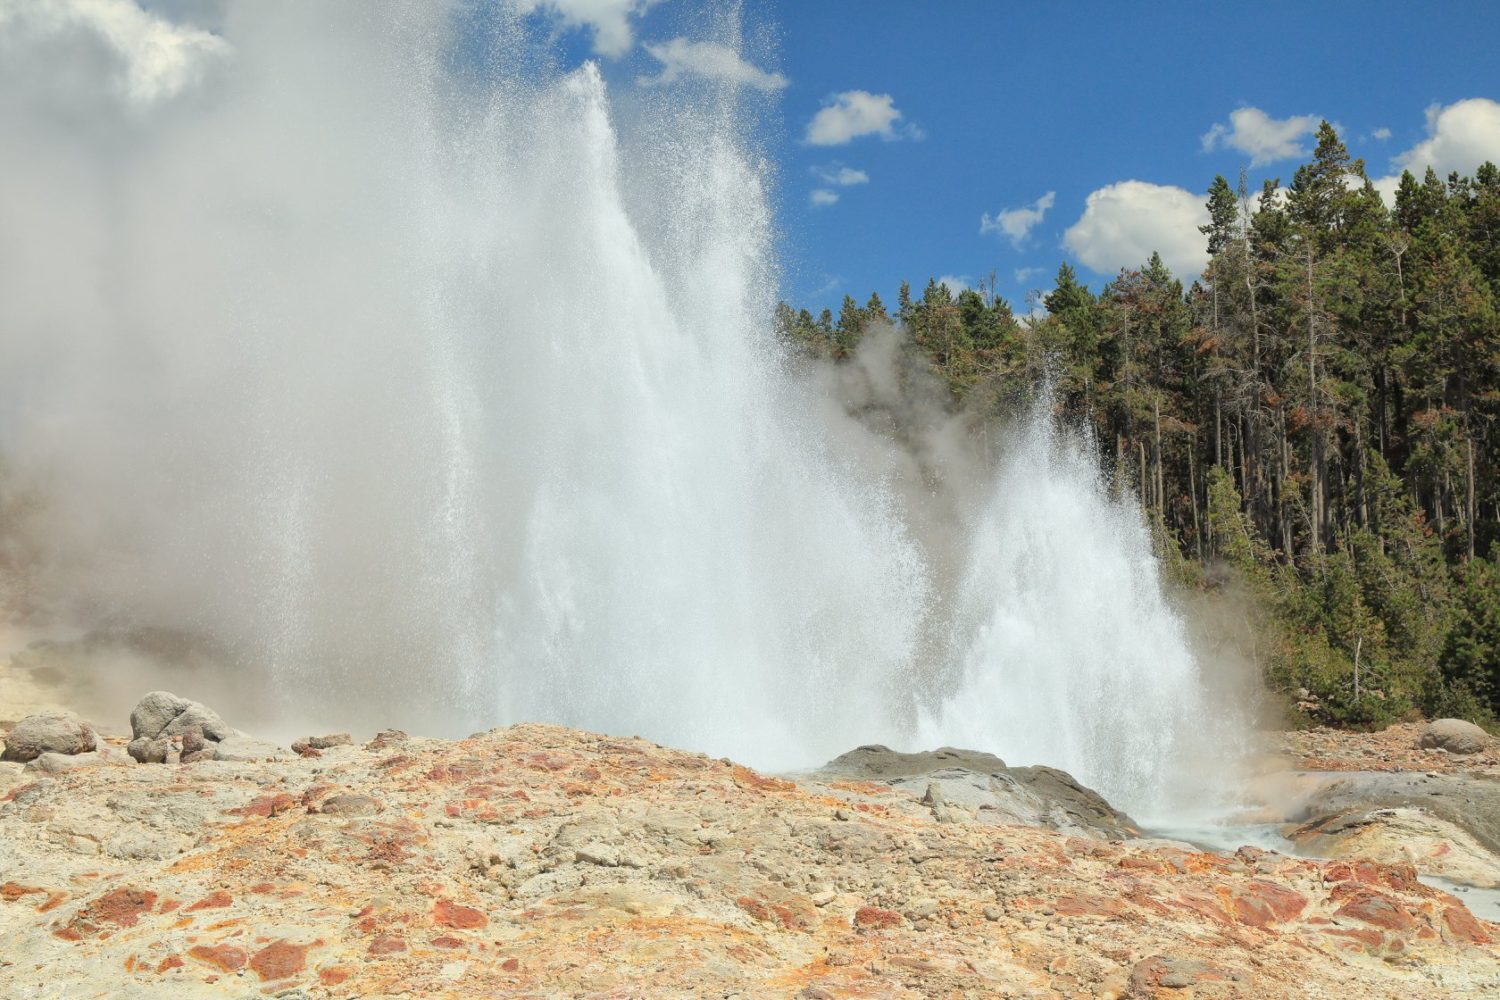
(959, 785)
(39, 734)
(1454, 736)
(881, 763)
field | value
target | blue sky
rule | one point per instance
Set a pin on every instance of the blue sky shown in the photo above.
(1036, 107)
(1018, 100)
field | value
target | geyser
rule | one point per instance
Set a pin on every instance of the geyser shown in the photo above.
(438, 391)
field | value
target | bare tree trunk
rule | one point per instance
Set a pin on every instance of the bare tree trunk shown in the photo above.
(1161, 491)
(1473, 509)
(1193, 492)
(1316, 451)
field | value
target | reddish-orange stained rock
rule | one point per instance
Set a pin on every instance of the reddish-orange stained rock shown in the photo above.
(12, 891)
(267, 806)
(1285, 904)
(221, 956)
(446, 913)
(216, 900)
(447, 941)
(874, 917)
(511, 964)
(1203, 905)
(123, 907)
(1374, 908)
(1462, 925)
(333, 975)
(1371, 940)
(1089, 904)
(169, 963)
(1401, 877)
(755, 907)
(278, 960)
(387, 944)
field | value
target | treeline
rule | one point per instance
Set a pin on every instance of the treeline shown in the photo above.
(1319, 414)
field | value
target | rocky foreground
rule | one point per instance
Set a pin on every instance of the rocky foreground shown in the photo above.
(540, 861)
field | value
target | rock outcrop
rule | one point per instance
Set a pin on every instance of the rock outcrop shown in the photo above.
(56, 734)
(166, 728)
(537, 861)
(1454, 736)
(980, 787)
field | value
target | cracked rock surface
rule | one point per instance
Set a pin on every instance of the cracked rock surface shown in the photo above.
(537, 861)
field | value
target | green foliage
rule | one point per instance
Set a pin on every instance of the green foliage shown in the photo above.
(1318, 417)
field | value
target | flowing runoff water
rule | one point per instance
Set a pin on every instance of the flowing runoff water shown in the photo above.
(435, 385)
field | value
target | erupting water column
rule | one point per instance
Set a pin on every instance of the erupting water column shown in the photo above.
(439, 393)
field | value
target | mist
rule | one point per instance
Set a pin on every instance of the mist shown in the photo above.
(430, 384)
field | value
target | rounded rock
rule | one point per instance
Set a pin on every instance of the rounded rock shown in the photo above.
(39, 734)
(1454, 736)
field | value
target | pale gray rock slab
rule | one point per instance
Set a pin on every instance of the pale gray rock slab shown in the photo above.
(52, 733)
(248, 748)
(58, 763)
(973, 786)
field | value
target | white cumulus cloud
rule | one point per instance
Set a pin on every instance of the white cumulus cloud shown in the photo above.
(1017, 223)
(680, 57)
(852, 114)
(1460, 137)
(823, 197)
(112, 46)
(609, 20)
(1381, 134)
(1265, 139)
(955, 283)
(839, 175)
(1122, 225)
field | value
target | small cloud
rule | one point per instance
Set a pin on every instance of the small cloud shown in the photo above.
(839, 175)
(609, 20)
(1265, 139)
(1381, 134)
(1017, 223)
(1122, 224)
(823, 197)
(1025, 274)
(856, 113)
(1460, 137)
(833, 283)
(955, 283)
(710, 60)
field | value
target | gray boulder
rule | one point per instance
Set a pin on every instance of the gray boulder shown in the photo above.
(1454, 736)
(150, 751)
(39, 734)
(969, 784)
(163, 714)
